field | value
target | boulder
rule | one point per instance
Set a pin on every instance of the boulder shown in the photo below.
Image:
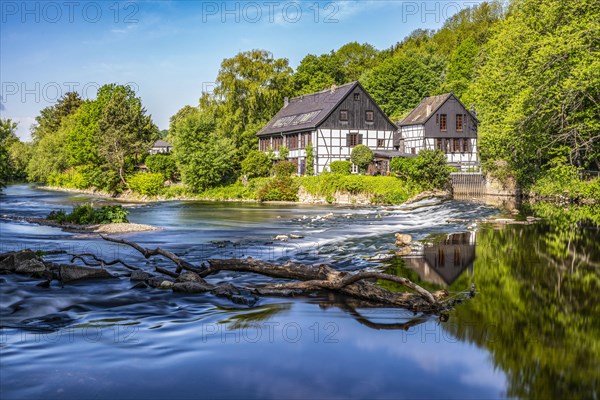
(293, 236)
(159, 282)
(282, 238)
(138, 275)
(189, 276)
(403, 239)
(10, 261)
(33, 266)
(70, 273)
(191, 287)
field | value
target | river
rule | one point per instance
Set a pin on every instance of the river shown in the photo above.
(531, 332)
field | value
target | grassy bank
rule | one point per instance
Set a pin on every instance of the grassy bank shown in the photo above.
(563, 183)
(329, 188)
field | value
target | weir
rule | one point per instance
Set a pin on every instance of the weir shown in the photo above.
(468, 183)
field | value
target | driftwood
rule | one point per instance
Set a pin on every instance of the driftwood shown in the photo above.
(305, 279)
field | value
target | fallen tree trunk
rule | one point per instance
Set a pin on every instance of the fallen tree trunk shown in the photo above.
(306, 279)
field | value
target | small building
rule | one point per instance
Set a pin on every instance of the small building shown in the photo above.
(160, 147)
(441, 122)
(333, 121)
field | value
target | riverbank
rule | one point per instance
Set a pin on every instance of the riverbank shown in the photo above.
(108, 229)
(325, 189)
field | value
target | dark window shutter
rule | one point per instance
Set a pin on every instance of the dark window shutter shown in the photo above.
(347, 140)
(360, 137)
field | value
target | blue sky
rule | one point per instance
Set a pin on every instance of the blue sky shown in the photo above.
(170, 51)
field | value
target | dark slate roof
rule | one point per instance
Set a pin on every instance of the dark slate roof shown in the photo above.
(427, 107)
(161, 143)
(315, 107)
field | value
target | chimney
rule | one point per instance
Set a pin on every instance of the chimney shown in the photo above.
(333, 87)
(286, 101)
(428, 109)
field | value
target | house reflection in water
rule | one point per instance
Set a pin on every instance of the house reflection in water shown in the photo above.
(443, 262)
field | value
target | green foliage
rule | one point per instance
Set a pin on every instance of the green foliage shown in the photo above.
(126, 130)
(340, 167)
(235, 191)
(399, 83)
(429, 169)
(279, 188)
(284, 168)
(86, 214)
(361, 156)
(204, 158)
(537, 88)
(310, 160)
(147, 183)
(461, 68)
(382, 189)
(562, 180)
(249, 92)
(72, 178)
(284, 152)
(50, 118)
(256, 164)
(7, 138)
(163, 164)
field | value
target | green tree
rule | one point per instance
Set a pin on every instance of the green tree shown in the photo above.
(204, 157)
(310, 160)
(316, 73)
(50, 118)
(399, 83)
(125, 130)
(7, 138)
(164, 164)
(354, 59)
(256, 164)
(429, 169)
(538, 87)
(461, 68)
(361, 156)
(250, 90)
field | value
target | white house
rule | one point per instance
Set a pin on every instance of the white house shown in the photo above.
(333, 121)
(441, 122)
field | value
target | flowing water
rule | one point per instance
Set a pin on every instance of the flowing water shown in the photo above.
(533, 330)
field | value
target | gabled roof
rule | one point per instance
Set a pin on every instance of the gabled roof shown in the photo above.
(426, 108)
(308, 111)
(161, 143)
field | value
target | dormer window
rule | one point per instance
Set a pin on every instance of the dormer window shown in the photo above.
(343, 115)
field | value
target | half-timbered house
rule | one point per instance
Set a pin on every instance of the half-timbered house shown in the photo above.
(333, 121)
(441, 122)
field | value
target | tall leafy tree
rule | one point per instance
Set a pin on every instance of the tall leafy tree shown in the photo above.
(125, 130)
(50, 118)
(538, 89)
(461, 68)
(203, 156)
(354, 59)
(250, 90)
(7, 138)
(399, 83)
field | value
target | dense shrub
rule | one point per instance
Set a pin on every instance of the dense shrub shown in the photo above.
(285, 168)
(86, 214)
(382, 189)
(149, 184)
(163, 164)
(563, 180)
(279, 188)
(70, 179)
(256, 164)
(340, 167)
(429, 169)
(361, 156)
